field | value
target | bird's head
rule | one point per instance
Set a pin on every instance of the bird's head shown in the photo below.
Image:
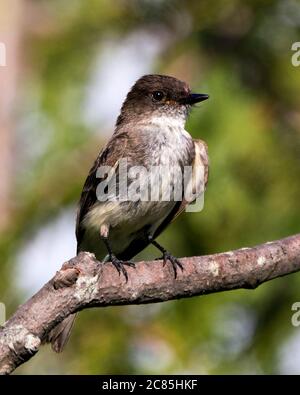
(158, 96)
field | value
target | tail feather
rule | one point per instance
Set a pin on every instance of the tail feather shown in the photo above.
(60, 334)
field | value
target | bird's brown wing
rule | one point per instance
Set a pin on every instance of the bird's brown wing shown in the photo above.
(200, 170)
(109, 156)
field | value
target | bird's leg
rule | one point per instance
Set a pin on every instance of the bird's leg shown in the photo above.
(166, 256)
(118, 263)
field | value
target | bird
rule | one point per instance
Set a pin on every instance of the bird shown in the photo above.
(149, 134)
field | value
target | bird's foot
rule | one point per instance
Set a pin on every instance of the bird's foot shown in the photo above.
(174, 261)
(119, 265)
(166, 256)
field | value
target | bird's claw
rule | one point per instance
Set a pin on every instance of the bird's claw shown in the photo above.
(119, 265)
(174, 261)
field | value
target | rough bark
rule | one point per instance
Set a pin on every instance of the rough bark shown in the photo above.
(83, 282)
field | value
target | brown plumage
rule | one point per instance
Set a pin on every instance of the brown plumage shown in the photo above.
(149, 132)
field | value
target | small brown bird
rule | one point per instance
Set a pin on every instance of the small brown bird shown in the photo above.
(150, 134)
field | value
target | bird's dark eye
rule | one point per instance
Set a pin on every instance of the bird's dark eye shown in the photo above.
(158, 95)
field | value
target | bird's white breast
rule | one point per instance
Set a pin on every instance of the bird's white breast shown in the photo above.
(171, 142)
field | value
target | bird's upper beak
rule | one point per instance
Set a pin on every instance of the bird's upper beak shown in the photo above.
(194, 98)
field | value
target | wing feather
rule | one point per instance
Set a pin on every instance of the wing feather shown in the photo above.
(109, 156)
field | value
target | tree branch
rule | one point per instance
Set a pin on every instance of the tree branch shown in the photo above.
(83, 282)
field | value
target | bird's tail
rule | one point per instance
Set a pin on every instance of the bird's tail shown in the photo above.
(59, 335)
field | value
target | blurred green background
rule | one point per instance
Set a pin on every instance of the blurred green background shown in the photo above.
(69, 66)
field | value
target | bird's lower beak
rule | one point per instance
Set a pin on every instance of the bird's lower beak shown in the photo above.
(194, 98)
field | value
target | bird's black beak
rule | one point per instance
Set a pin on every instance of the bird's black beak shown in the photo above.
(194, 98)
